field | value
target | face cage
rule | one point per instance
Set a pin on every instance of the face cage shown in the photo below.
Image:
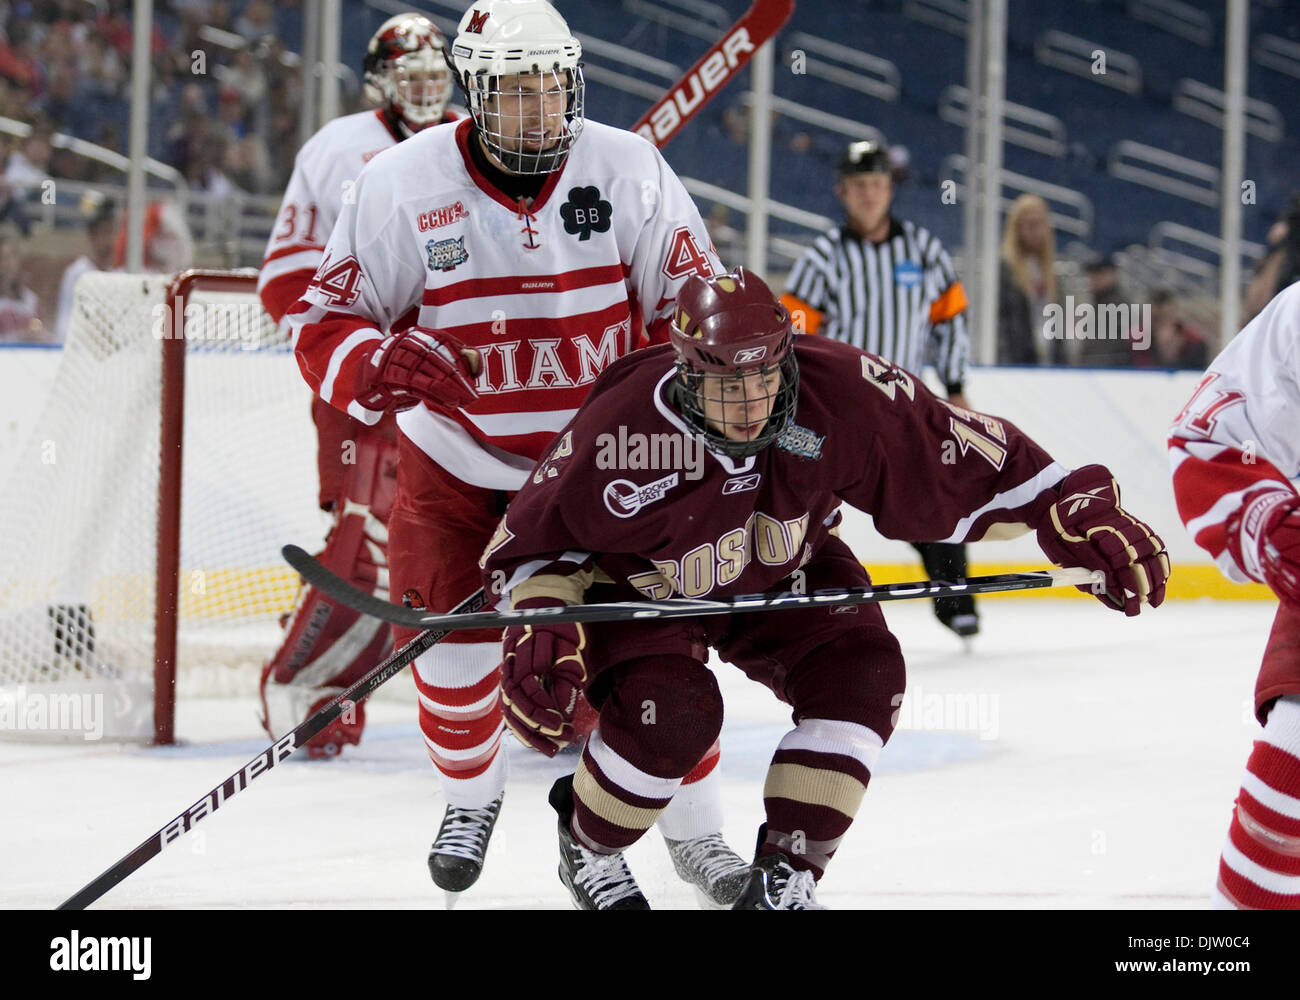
(688, 399)
(417, 112)
(501, 133)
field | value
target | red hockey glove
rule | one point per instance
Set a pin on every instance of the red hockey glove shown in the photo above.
(1085, 526)
(416, 366)
(542, 677)
(1264, 538)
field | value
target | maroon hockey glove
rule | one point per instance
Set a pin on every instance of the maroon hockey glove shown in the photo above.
(1085, 526)
(416, 366)
(542, 678)
(1264, 538)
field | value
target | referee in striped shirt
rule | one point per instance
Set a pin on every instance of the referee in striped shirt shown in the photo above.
(888, 287)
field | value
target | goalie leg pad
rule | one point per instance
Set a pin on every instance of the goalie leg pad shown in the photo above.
(327, 646)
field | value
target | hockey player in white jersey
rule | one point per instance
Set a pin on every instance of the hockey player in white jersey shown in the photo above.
(327, 647)
(1235, 451)
(481, 278)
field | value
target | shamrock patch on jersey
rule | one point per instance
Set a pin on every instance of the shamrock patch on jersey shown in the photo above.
(585, 213)
(446, 254)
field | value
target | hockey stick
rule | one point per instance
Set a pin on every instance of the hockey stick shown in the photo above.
(215, 798)
(713, 71)
(344, 593)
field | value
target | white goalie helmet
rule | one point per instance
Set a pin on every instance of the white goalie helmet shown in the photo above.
(521, 70)
(406, 71)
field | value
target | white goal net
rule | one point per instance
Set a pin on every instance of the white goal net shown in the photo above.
(84, 527)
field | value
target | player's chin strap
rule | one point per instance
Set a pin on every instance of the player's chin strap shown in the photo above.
(344, 593)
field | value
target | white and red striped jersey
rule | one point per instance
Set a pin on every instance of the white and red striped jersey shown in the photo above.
(548, 293)
(1240, 431)
(324, 175)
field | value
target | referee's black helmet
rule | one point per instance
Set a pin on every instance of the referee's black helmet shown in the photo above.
(866, 156)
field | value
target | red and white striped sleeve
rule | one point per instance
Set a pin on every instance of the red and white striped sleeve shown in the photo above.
(1239, 434)
(673, 245)
(366, 286)
(297, 243)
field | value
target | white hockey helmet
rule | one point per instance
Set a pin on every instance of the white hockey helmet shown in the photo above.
(406, 70)
(521, 70)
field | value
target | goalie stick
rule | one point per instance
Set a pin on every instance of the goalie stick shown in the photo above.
(344, 593)
(216, 797)
(713, 71)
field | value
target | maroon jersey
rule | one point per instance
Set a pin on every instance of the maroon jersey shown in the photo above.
(628, 495)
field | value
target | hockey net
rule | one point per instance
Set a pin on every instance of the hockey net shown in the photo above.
(102, 600)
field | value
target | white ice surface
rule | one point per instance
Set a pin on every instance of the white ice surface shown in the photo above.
(1117, 747)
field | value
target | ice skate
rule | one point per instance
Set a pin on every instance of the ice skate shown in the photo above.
(456, 856)
(595, 881)
(717, 873)
(774, 885)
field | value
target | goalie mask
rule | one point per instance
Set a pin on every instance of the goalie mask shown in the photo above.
(738, 380)
(521, 71)
(406, 71)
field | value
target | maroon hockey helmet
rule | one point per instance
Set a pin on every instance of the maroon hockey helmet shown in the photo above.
(725, 328)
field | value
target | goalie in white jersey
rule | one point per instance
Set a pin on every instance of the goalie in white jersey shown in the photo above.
(1235, 450)
(327, 647)
(481, 278)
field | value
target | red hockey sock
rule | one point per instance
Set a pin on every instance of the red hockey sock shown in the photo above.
(1260, 865)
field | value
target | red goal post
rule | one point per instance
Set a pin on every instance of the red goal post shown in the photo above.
(173, 456)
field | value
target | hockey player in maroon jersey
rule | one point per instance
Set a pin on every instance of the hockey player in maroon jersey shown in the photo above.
(791, 427)
(1235, 452)
(327, 647)
(476, 283)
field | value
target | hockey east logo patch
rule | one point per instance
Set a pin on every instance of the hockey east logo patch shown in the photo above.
(624, 498)
(444, 255)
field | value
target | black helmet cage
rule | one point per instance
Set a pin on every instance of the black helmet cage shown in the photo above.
(689, 397)
(478, 87)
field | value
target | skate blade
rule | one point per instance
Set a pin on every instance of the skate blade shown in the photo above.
(706, 901)
(450, 899)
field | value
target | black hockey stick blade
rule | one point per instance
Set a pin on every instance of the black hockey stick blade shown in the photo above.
(215, 798)
(358, 600)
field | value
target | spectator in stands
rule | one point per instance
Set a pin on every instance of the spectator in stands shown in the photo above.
(12, 211)
(28, 165)
(1280, 266)
(100, 214)
(168, 242)
(18, 62)
(1105, 290)
(20, 320)
(1026, 284)
(1174, 343)
(256, 20)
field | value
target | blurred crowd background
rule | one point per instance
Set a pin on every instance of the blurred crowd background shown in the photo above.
(228, 84)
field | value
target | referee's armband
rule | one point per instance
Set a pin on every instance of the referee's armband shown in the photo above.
(949, 304)
(803, 317)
